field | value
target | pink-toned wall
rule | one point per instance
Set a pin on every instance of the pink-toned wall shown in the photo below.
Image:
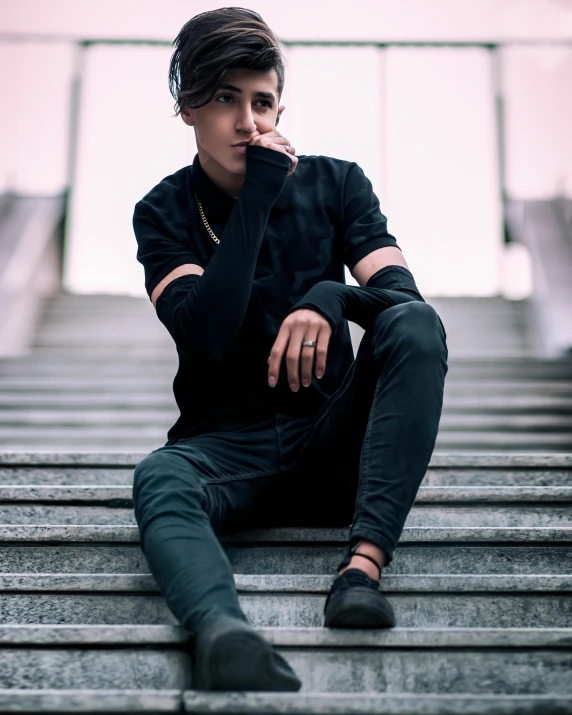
(419, 121)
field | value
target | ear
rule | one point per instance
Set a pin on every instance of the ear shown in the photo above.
(188, 116)
(280, 110)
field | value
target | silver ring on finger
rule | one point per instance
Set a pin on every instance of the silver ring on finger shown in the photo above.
(308, 343)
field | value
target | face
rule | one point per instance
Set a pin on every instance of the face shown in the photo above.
(236, 113)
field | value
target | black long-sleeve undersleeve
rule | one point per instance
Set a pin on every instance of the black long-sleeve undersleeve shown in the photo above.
(204, 313)
(387, 287)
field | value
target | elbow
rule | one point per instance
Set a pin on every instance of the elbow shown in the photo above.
(197, 356)
(191, 333)
(200, 351)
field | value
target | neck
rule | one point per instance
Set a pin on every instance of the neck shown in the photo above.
(223, 179)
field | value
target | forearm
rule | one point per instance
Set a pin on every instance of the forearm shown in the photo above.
(207, 321)
(361, 304)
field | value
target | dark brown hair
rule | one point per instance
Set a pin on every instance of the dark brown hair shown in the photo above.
(212, 42)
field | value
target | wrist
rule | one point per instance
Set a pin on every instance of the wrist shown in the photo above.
(266, 171)
(395, 277)
(327, 298)
(258, 156)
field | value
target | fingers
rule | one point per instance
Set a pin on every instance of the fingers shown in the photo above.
(273, 137)
(292, 169)
(274, 140)
(321, 350)
(276, 353)
(300, 358)
(291, 151)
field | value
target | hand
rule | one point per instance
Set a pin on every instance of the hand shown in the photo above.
(302, 324)
(274, 140)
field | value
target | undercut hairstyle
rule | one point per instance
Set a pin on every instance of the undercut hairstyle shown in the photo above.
(213, 42)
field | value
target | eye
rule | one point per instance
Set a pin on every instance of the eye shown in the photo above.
(265, 101)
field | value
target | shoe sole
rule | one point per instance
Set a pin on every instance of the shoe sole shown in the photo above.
(359, 608)
(241, 660)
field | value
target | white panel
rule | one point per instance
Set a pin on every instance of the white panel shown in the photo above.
(443, 188)
(336, 108)
(34, 122)
(128, 141)
(538, 96)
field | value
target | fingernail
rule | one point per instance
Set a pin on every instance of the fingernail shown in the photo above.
(293, 387)
(305, 383)
(319, 375)
(272, 380)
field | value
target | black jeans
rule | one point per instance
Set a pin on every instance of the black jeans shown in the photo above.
(360, 462)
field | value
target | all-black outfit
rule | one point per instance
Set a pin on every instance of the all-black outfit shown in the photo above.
(349, 449)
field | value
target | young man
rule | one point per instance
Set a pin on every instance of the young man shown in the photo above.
(244, 254)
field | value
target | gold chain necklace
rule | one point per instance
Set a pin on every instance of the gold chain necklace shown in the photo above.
(206, 223)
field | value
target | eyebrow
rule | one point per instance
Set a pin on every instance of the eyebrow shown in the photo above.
(264, 95)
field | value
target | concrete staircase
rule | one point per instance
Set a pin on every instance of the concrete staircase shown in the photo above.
(481, 582)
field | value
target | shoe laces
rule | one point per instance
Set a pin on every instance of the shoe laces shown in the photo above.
(355, 577)
(350, 578)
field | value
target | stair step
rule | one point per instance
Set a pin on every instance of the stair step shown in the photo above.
(453, 387)
(426, 494)
(292, 583)
(405, 660)
(103, 422)
(163, 357)
(127, 533)
(162, 347)
(28, 700)
(466, 513)
(283, 558)
(447, 441)
(438, 459)
(57, 395)
(118, 662)
(163, 400)
(88, 404)
(101, 477)
(82, 378)
(487, 441)
(159, 363)
(440, 601)
(409, 558)
(341, 703)
(429, 638)
(260, 703)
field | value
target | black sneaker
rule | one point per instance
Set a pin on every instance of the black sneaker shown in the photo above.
(355, 601)
(231, 655)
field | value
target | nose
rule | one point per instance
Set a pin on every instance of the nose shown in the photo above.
(246, 121)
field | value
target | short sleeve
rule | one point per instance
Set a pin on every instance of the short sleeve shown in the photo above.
(163, 240)
(364, 226)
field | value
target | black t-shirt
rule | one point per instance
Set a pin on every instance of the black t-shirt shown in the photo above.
(325, 215)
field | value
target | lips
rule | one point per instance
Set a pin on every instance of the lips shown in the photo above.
(241, 144)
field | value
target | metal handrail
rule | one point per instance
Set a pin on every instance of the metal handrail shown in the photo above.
(540, 225)
(31, 268)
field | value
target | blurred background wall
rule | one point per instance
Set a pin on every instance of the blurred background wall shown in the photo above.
(447, 106)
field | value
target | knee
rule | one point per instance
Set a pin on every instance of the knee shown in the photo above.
(415, 326)
(165, 481)
(149, 471)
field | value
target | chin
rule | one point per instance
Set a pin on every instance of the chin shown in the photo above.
(237, 167)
